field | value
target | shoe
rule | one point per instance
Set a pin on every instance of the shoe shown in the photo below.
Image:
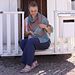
(26, 69)
(34, 65)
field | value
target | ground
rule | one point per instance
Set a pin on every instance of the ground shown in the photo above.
(48, 65)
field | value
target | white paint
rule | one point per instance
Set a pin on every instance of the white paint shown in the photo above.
(50, 15)
(16, 32)
(23, 26)
(13, 5)
(56, 5)
(8, 5)
(8, 34)
(68, 29)
(52, 7)
(1, 35)
(63, 5)
(13, 8)
(4, 5)
(65, 32)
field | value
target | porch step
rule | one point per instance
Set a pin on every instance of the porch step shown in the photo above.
(49, 51)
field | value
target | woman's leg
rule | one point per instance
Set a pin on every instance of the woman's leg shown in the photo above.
(29, 50)
(28, 53)
(42, 46)
(22, 45)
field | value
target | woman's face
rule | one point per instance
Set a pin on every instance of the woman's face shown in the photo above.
(33, 11)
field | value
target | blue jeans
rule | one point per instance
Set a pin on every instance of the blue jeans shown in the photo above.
(29, 46)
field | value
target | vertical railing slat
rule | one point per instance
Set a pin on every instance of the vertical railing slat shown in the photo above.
(22, 25)
(8, 34)
(1, 35)
(16, 32)
(8, 23)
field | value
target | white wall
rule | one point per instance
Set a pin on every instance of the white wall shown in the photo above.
(59, 5)
(13, 5)
(8, 5)
(50, 15)
(56, 5)
(4, 6)
(63, 5)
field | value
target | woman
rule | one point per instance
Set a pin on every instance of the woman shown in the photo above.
(36, 28)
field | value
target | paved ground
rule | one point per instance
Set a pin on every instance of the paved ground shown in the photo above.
(49, 65)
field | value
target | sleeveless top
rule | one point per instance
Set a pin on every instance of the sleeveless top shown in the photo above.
(33, 25)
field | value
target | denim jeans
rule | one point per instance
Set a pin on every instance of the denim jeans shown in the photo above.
(29, 46)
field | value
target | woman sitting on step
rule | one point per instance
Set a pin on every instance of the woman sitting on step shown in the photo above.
(36, 28)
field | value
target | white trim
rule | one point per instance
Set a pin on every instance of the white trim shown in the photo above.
(10, 48)
(22, 25)
(8, 34)
(16, 32)
(1, 34)
(21, 12)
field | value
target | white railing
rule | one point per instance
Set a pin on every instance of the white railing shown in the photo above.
(10, 49)
(8, 23)
(64, 32)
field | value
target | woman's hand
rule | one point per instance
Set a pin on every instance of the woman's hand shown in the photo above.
(43, 26)
(29, 33)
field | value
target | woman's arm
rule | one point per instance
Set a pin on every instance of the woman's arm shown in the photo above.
(45, 25)
(26, 32)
